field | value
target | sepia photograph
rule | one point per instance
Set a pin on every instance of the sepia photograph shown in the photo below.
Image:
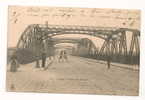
(73, 50)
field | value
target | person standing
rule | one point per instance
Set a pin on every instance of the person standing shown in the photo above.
(14, 64)
(108, 62)
(43, 59)
(37, 62)
(60, 56)
(65, 55)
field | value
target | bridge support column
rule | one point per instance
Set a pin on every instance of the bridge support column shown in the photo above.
(134, 48)
(102, 52)
(123, 44)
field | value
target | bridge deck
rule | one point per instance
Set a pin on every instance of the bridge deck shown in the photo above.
(78, 75)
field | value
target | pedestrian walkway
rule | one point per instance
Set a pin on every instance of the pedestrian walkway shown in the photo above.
(77, 75)
(126, 66)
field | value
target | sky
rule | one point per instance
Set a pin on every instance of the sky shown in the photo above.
(21, 17)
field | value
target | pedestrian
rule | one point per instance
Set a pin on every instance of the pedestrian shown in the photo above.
(65, 55)
(61, 56)
(108, 62)
(43, 59)
(37, 62)
(14, 64)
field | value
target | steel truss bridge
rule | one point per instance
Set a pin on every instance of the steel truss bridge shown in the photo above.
(38, 38)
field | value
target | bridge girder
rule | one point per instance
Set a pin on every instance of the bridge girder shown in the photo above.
(114, 38)
(73, 41)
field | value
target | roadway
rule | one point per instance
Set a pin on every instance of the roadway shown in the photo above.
(77, 75)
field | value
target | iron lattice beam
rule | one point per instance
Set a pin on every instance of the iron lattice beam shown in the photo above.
(114, 38)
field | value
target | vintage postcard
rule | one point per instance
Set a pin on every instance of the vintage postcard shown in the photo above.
(73, 50)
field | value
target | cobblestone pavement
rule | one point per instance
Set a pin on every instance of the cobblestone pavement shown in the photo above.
(75, 76)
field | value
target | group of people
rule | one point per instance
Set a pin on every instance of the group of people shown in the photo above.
(43, 60)
(63, 56)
